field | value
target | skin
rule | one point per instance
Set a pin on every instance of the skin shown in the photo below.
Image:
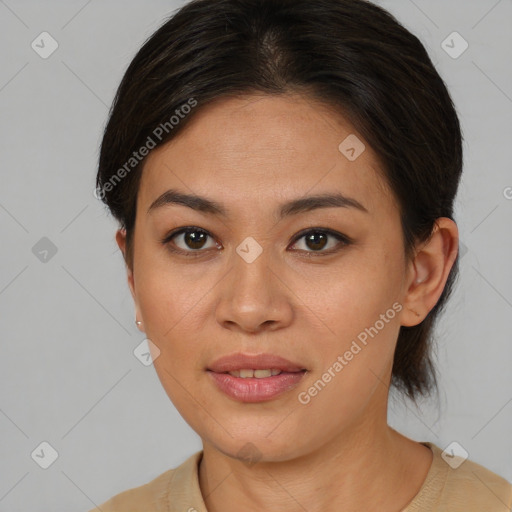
(252, 154)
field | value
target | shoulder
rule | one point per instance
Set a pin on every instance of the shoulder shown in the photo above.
(458, 485)
(156, 495)
(475, 487)
(148, 497)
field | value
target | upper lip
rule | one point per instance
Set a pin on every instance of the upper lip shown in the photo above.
(241, 361)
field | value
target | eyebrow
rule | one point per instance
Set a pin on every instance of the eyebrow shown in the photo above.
(296, 206)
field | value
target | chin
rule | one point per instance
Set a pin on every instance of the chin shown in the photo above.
(259, 447)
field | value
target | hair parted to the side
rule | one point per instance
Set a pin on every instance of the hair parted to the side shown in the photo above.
(350, 55)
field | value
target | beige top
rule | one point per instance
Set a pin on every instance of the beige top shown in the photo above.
(468, 488)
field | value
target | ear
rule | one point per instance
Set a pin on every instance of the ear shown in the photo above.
(121, 242)
(429, 270)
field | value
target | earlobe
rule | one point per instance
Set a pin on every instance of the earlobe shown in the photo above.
(121, 240)
(429, 271)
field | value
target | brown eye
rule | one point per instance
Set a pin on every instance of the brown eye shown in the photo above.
(194, 239)
(189, 240)
(316, 240)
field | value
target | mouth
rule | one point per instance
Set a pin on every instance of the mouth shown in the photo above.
(258, 374)
(254, 365)
(255, 378)
(253, 389)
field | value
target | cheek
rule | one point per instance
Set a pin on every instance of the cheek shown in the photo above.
(354, 357)
(360, 324)
(169, 296)
(355, 294)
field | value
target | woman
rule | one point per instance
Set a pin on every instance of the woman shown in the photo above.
(284, 172)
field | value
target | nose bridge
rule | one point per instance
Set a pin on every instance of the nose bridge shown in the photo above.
(252, 261)
(252, 295)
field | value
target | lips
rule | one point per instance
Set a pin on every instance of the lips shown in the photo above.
(241, 361)
(242, 377)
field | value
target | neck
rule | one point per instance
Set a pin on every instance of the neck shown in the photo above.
(370, 463)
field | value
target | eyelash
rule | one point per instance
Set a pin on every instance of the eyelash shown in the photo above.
(343, 239)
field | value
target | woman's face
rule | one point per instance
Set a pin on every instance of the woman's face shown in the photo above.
(260, 278)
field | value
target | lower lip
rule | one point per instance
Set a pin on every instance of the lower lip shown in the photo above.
(256, 390)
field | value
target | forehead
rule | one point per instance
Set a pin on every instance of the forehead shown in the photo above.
(265, 148)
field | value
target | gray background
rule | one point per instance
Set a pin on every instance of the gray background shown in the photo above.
(68, 372)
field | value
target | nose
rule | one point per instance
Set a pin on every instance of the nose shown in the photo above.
(253, 296)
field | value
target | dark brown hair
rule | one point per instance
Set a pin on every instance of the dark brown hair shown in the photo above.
(352, 56)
